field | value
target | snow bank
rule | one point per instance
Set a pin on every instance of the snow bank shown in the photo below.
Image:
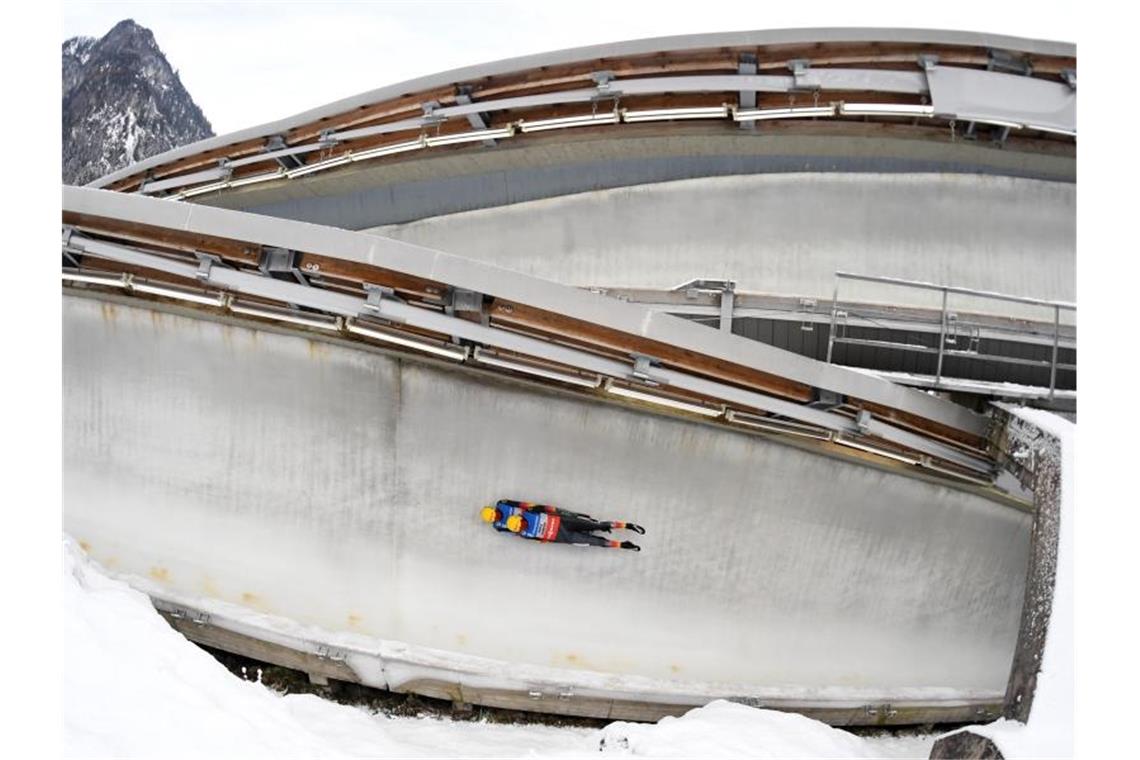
(134, 687)
(1049, 732)
(726, 729)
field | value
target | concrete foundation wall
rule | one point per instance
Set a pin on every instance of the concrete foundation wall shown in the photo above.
(341, 488)
(787, 234)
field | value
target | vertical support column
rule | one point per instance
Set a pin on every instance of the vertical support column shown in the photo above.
(834, 313)
(747, 98)
(476, 120)
(941, 340)
(727, 298)
(1056, 340)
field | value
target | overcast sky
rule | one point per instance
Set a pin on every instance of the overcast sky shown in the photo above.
(247, 63)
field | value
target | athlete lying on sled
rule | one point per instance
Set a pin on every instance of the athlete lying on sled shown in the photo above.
(540, 522)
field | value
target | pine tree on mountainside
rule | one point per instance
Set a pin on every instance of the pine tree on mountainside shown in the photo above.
(122, 102)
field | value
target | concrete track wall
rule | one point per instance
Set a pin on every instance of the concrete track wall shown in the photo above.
(340, 488)
(787, 234)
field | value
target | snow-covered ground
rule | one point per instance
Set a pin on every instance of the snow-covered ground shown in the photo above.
(134, 687)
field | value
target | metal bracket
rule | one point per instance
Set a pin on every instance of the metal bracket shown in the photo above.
(807, 306)
(176, 612)
(863, 422)
(799, 68)
(873, 711)
(147, 178)
(602, 79)
(1070, 77)
(68, 231)
(326, 139)
(927, 62)
(376, 295)
(950, 336)
(692, 287)
(825, 399)
(1000, 60)
(476, 120)
(429, 115)
(642, 365)
(1006, 63)
(331, 653)
(275, 143)
(460, 299)
(206, 262)
(956, 329)
(280, 261)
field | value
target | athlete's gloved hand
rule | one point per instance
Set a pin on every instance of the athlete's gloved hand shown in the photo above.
(635, 528)
(630, 545)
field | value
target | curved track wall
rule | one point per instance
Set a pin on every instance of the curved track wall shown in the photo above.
(340, 488)
(787, 234)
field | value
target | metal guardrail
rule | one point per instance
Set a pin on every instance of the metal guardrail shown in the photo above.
(950, 329)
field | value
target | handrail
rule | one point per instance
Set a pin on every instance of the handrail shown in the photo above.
(946, 290)
(955, 289)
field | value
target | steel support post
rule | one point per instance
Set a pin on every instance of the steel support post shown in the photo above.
(727, 298)
(747, 98)
(941, 340)
(834, 311)
(1056, 340)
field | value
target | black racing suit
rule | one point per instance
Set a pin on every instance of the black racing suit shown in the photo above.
(573, 527)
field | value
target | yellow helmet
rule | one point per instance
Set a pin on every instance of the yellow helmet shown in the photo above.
(514, 523)
(488, 514)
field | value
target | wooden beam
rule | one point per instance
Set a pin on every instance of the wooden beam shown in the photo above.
(679, 358)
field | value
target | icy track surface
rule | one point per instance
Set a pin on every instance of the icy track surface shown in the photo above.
(134, 687)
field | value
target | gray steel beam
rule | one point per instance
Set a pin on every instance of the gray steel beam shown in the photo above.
(512, 286)
(275, 154)
(207, 175)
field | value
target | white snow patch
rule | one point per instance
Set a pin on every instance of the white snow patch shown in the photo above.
(130, 144)
(727, 729)
(134, 687)
(994, 388)
(1049, 732)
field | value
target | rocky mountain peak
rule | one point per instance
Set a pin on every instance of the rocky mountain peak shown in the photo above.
(122, 102)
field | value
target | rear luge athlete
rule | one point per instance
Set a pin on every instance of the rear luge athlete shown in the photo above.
(541, 522)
